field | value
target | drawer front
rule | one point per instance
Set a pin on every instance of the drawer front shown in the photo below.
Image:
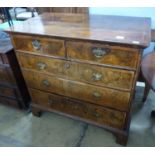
(44, 82)
(9, 92)
(102, 54)
(6, 75)
(42, 64)
(87, 111)
(39, 45)
(102, 76)
(9, 102)
(94, 94)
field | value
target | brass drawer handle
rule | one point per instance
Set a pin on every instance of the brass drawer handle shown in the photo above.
(36, 44)
(100, 52)
(96, 114)
(97, 76)
(50, 101)
(46, 83)
(75, 107)
(66, 65)
(41, 66)
(97, 95)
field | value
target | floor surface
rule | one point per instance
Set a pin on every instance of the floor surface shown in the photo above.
(18, 128)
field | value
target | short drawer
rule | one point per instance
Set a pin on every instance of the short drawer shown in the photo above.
(103, 54)
(42, 64)
(86, 92)
(6, 75)
(102, 76)
(39, 45)
(9, 92)
(85, 111)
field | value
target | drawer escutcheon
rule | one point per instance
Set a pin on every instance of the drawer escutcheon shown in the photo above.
(97, 95)
(36, 44)
(66, 65)
(97, 115)
(41, 65)
(46, 83)
(100, 52)
(97, 76)
(50, 101)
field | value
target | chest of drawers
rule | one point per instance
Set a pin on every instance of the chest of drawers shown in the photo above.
(13, 90)
(83, 66)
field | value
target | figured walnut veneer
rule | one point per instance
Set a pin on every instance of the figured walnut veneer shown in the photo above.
(83, 66)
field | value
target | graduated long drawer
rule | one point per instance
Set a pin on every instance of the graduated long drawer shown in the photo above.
(78, 90)
(92, 74)
(94, 113)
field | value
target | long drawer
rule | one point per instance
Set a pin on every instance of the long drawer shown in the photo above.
(86, 111)
(6, 75)
(103, 54)
(102, 76)
(86, 92)
(39, 45)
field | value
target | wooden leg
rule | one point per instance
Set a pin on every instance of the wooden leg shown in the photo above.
(122, 139)
(146, 91)
(36, 112)
(153, 113)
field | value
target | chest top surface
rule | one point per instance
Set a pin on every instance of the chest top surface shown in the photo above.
(107, 28)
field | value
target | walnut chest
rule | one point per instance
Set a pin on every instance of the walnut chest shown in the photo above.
(83, 66)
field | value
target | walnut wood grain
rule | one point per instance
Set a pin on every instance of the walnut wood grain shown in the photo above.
(63, 9)
(98, 95)
(133, 30)
(54, 47)
(114, 56)
(88, 111)
(101, 76)
(106, 49)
